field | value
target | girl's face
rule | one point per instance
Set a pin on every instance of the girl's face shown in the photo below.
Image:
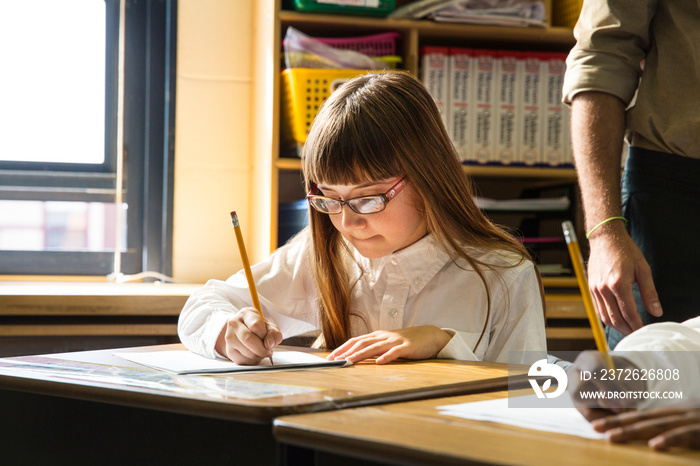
(399, 225)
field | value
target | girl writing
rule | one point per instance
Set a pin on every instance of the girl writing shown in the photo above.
(398, 261)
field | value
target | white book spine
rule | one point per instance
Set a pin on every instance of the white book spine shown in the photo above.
(530, 146)
(507, 108)
(434, 67)
(554, 121)
(461, 98)
(482, 132)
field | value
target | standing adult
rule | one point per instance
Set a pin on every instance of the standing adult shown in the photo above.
(634, 73)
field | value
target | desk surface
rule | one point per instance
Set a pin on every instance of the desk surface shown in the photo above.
(254, 397)
(415, 433)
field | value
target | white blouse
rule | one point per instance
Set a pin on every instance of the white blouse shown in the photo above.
(418, 285)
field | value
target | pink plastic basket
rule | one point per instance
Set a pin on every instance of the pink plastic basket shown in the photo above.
(375, 45)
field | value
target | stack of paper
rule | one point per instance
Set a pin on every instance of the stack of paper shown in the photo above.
(494, 12)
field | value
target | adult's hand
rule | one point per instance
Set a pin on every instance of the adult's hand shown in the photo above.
(615, 264)
(590, 377)
(662, 428)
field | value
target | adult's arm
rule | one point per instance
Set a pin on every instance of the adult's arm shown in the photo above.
(615, 262)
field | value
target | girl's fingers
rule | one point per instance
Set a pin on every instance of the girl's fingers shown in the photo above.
(374, 350)
(274, 336)
(385, 346)
(352, 346)
(391, 355)
(255, 323)
(239, 358)
(249, 339)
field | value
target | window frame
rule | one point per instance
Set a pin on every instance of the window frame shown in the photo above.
(149, 133)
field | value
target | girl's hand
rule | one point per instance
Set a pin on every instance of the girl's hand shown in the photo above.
(246, 339)
(422, 342)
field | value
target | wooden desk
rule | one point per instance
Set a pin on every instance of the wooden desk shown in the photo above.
(83, 418)
(415, 433)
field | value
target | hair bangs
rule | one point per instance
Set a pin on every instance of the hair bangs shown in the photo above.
(348, 144)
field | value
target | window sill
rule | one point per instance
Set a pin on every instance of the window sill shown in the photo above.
(51, 309)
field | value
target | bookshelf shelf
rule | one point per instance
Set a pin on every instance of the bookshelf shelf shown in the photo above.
(495, 171)
(356, 24)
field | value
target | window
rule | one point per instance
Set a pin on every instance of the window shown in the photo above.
(59, 157)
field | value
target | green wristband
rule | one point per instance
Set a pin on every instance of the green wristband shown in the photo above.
(603, 223)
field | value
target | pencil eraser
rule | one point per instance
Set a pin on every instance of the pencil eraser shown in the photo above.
(233, 213)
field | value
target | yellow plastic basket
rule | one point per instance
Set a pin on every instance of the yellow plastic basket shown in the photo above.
(565, 13)
(303, 92)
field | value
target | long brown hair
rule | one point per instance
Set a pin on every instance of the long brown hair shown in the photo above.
(375, 127)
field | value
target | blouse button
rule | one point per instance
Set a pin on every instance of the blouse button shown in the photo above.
(394, 261)
(418, 281)
(393, 312)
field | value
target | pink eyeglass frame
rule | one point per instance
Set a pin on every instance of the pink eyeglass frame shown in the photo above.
(390, 194)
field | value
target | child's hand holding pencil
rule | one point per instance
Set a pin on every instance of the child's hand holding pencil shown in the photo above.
(248, 337)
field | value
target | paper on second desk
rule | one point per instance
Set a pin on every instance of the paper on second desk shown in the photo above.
(560, 420)
(186, 362)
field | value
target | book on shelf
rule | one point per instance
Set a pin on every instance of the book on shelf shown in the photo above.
(508, 109)
(501, 107)
(435, 69)
(482, 134)
(530, 121)
(459, 85)
(556, 146)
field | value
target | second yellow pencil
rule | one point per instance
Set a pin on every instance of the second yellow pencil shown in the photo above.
(577, 262)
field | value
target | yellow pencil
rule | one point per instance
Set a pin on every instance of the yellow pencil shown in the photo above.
(577, 261)
(246, 268)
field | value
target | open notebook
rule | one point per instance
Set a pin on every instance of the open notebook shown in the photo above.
(186, 362)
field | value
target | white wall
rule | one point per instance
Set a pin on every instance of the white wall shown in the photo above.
(213, 127)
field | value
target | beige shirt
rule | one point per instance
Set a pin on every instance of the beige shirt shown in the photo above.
(615, 40)
(419, 285)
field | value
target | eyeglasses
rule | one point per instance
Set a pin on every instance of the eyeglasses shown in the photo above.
(359, 205)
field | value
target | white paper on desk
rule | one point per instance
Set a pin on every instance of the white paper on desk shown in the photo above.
(560, 420)
(186, 362)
